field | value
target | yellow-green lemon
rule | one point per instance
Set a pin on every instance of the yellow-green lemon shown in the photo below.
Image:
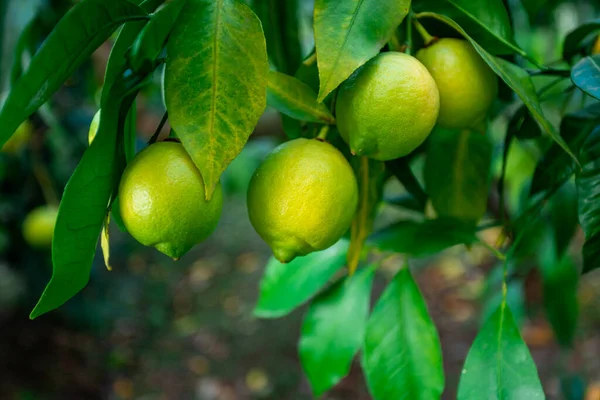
(162, 200)
(38, 226)
(467, 85)
(388, 107)
(19, 138)
(302, 198)
(94, 127)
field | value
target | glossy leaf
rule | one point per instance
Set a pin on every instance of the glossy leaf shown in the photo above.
(573, 40)
(350, 32)
(85, 27)
(215, 84)
(370, 177)
(423, 238)
(286, 286)
(586, 75)
(515, 77)
(499, 365)
(400, 167)
(457, 172)
(334, 329)
(295, 99)
(105, 242)
(402, 357)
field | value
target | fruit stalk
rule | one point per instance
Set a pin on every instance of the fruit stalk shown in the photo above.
(427, 38)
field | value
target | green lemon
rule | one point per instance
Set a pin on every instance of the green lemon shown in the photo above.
(162, 200)
(466, 83)
(388, 107)
(19, 138)
(38, 226)
(302, 198)
(94, 127)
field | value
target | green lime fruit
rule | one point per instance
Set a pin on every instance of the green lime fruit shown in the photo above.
(302, 198)
(162, 200)
(19, 138)
(467, 85)
(388, 107)
(94, 127)
(38, 226)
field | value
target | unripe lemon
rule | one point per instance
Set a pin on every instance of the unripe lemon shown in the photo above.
(302, 198)
(162, 200)
(38, 226)
(388, 107)
(466, 83)
(19, 138)
(94, 127)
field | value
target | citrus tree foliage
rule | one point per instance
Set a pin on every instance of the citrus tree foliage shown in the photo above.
(217, 83)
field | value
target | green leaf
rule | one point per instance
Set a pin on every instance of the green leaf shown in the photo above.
(400, 167)
(402, 357)
(588, 188)
(573, 40)
(85, 27)
(295, 99)
(151, 40)
(286, 286)
(586, 75)
(280, 23)
(515, 296)
(515, 77)
(334, 329)
(421, 239)
(105, 242)
(370, 177)
(499, 365)
(215, 83)
(457, 172)
(350, 32)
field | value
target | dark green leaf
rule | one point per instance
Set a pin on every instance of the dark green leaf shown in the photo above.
(499, 365)
(586, 75)
(215, 84)
(286, 286)
(400, 167)
(457, 172)
(523, 126)
(334, 329)
(86, 26)
(295, 99)
(402, 357)
(562, 211)
(350, 32)
(573, 40)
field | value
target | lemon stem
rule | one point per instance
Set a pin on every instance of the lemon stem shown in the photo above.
(310, 60)
(163, 121)
(427, 38)
(323, 132)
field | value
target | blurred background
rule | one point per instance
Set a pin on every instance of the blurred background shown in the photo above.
(156, 329)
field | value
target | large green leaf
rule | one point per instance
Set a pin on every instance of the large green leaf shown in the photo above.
(350, 32)
(573, 40)
(295, 99)
(286, 286)
(370, 176)
(78, 34)
(586, 75)
(215, 82)
(423, 238)
(499, 365)
(400, 167)
(334, 329)
(486, 21)
(457, 172)
(515, 77)
(588, 188)
(402, 357)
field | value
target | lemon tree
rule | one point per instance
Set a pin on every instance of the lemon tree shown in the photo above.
(436, 99)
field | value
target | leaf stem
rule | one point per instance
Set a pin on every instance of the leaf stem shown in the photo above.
(163, 121)
(499, 255)
(427, 38)
(323, 133)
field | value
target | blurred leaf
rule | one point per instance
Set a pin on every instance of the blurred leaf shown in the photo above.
(586, 75)
(334, 329)
(25, 47)
(523, 126)
(280, 23)
(499, 365)
(295, 99)
(562, 211)
(215, 82)
(402, 357)
(516, 77)
(105, 242)
(370, 177)
(85, 27)
(151, 40)
(350, 32)
(573, 40)
(423, 238)
(457, 172)
(515, 297)
(286, 286)
(588, 187)
(400, 167)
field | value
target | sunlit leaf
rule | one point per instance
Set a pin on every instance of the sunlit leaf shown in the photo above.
(586, 75)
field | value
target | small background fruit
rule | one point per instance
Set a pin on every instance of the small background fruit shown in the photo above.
(302, 198)
(38, 226)
(19, 138)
